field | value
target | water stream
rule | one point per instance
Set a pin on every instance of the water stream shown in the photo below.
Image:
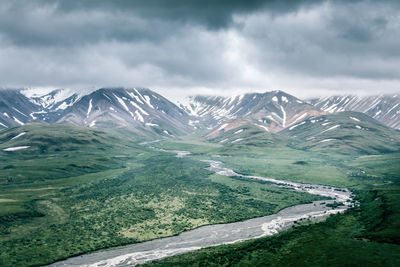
(218, 234)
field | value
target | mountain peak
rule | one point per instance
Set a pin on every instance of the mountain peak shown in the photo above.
(274, 110)
(384, 108)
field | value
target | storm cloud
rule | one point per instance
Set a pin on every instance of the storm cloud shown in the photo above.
(188, 47)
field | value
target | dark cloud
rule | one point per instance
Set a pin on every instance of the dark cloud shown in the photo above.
(213, 14)
(208, 44)
(330, 41)
(65, 22)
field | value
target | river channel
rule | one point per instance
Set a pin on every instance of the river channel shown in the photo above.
(218, 234)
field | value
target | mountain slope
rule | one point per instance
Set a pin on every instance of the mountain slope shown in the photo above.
(247, 134)
(272, 110)
(39, 151)
(15, 108)
(139, 110)
(19, 106)
(344, 132)
(51, 104)
(384, 108)
(51, 99)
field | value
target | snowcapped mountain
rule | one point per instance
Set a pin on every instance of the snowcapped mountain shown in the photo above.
(15, 108)
(51, 99)
(50, 103)
(145, 112)
(271, 111)
(384, 108)
(139, 110)
(136, 109)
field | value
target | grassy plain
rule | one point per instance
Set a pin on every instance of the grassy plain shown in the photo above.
(368, 235)
(77, 190)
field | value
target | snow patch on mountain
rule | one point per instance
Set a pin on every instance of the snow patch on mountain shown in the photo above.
(297, 125)
(383, 108)
(15, 148)
(48, 97)
(327, 140)
(331, 128)
(89, 108)
(123, 105)
(263, 127)
(18, 121)
(151, 124)
(354, 119)
(139, 116)
(222, 126)
(238, 131)
(139, 108)
(19, 135)
(283, 116)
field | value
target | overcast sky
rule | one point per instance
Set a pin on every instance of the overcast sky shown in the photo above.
(187, 47)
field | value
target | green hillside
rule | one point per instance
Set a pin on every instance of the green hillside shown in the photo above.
(344, 132)
(76, 190)
(248, 135)
(363, 236)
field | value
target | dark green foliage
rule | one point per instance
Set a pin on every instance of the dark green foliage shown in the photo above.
(111, 192)
(77, 190)
(368, 235)
(300, 162)
(343, 240)
(334, 205)
(365, 136)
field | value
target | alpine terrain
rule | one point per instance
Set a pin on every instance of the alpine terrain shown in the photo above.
(88, 171)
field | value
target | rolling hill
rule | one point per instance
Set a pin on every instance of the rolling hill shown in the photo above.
(39, 151)
(344, 132)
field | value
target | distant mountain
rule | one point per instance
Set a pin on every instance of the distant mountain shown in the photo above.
(58, 99)
(51, 104)
(149, 114)
(271, 111)
(15, 108)
(384, 108)
(138, 110)
(346, 132)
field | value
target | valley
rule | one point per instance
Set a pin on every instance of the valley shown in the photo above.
(93, 208)
(208, 236)
(97, 177)
(199, 133)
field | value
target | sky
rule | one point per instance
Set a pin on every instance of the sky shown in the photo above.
(186, 47)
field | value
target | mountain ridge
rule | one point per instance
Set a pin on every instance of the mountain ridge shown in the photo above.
(272, 110)
(146, 112)
(139, 110)
(384, 108)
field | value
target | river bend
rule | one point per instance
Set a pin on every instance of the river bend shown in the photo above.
(218, 234)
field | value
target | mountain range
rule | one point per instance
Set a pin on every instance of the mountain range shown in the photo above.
(271, 111)
(149, 114)
(384, 108)
(139, 110)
